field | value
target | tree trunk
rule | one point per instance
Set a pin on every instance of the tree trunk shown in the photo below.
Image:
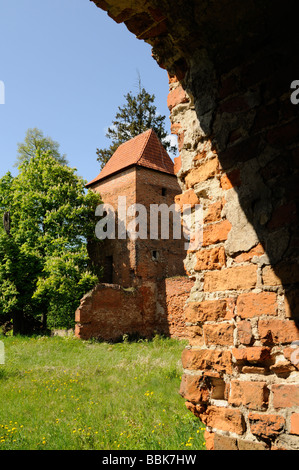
(18, 323)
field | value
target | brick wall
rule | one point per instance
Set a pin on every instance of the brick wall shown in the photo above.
(240, 376)
(173, 294)
(120, 250)
(230, 69)
(133, 261)
(110, 311)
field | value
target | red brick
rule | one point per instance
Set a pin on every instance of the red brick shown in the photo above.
(181, 138)
(258, 250)
(225, 419)
(176, 96)
(207, 310)
(258, 354)
(267, 426)
(253, 395)
(177, 164)
(194, 335)
(287, 273)
(230, 180)
(240, 277)
(157, 14)
(209, 440)
(220, 334)
(207, 360)
(284, 135)
(193, 389)
(278, 331)
(123, 16)
(253, 354)
(213, 212)
(189, 197)
(215, 233)
(244, 332)
(236, 104)
(202, 173)
(250, 445)
(240, 152)
(283, 215)
(295, 423)
(225, 442)
(276, 168)
(256, 304)
(291, 304)
(228, 86)
(285, 395)
(266, 116)
(210, 259)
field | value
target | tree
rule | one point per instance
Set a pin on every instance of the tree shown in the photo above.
(137, 115)
(35, 141)
(44, 265)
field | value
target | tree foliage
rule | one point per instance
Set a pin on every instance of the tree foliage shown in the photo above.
(35, 141)
(137, 115)
(44, 263)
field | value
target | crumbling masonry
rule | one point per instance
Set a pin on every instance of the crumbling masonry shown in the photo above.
(230, 67)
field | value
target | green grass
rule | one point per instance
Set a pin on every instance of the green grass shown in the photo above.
(67, 394)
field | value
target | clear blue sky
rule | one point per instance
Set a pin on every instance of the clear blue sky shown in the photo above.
(66, 67)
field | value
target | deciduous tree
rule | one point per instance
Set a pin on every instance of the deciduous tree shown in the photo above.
(44, 263)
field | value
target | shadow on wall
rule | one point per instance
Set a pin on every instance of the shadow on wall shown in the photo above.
(254, 129)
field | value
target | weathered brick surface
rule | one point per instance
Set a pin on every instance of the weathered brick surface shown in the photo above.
(252, 304)
(278, 331)
(213, 258)
(207, 360)
(176, 96)
(208, 310)
(266, 425)
(285, 395)
(295, 423)
(253, 395)
(221, 334)
(215, 233)
(193, 389)
(225, 419)
(237, 278)
(238, 141)
(206, 171)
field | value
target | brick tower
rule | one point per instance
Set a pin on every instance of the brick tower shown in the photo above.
(141, 171)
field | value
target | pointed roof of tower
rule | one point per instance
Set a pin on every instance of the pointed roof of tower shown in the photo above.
(143, 150)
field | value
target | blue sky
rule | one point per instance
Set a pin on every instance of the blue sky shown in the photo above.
(66, 67)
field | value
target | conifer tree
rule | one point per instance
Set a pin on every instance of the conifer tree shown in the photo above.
(137, 115)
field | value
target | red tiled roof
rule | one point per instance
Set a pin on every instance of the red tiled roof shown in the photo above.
(144, 150)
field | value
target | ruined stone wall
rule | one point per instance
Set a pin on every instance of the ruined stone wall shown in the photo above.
(173, 294)
(109, 311)
(231, 64)
(241, 371)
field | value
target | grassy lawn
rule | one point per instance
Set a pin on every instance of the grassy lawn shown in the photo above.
(67, 394)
